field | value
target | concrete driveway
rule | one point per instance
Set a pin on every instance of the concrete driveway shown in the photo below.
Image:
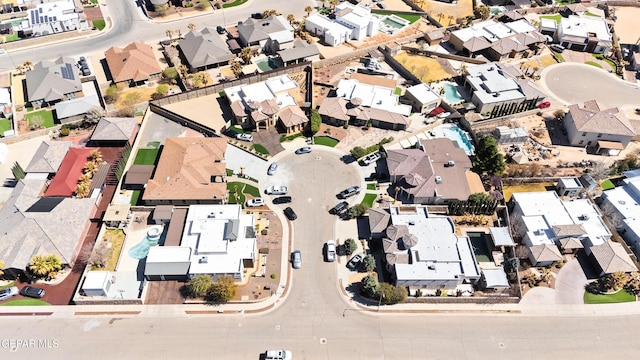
(574, 83)
(570, 282)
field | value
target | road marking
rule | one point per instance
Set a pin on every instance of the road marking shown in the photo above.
(304, 303)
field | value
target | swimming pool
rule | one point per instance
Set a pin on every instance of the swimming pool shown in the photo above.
(395, 22)
(451, 94)
(456, 134)
(267, 64)
(481, 247)
(141, 250)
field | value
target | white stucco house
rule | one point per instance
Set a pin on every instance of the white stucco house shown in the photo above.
(352, 22)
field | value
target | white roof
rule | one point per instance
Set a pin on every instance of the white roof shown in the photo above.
(501, 236)
(256, 92)
(55, 11)
(423, 93)
(327, 24)
(96, 279)
(584, 212)
(570, 183)
(281, 83)
(168, 254)
(548, 23)
(358, 16)
(5, 96)
(378, 97)
(77, 106)
(491, 84)
(474, 31)
(580, 26)
(625, 198)
(275, 87)
(495, 278)
(521, 26)
(207, 232)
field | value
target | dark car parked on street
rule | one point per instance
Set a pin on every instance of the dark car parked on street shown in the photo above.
(282, 200)
(32, 291)
(290, 214)
(340, 207)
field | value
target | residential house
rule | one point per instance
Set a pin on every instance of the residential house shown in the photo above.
(603, 131)
(72, 110)
(47, 159)
(423, 98)
(497, 88)
(204, 49)
(216, 240)
(269, 103)
(352, 22)
(270, 34)
(53, 81)
(434, 37)
(30, 225)
(422, 251)
(300, 52)
(569, 186)
(54, 17)
(585, 33)
(621, 205)
(114, 132)
(497, 41)
(65, 181)
(547, 225)
(190, 171)
(133, 64)
(435, 172)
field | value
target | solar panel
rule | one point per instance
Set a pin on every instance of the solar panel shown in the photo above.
(67, 72)
(46, 18)
(40, 10)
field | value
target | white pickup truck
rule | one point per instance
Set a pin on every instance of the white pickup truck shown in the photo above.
(276, 190)
(278, 355)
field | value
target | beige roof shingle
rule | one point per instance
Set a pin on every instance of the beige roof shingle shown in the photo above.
(592, 118)
(545, 253)
(611, 257)
(135, 62)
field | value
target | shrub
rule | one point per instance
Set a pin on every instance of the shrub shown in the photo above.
(64, 131)
(273, 276)
(350, 246)
(368, 263)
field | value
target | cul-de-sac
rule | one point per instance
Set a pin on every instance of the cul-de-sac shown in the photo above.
(360, 179)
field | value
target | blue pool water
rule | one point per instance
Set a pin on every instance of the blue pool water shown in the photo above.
(267, 64)
(460, 137)
(141, 250)
(451, 94)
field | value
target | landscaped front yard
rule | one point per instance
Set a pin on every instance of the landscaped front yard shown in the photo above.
(41, 118)
(239, 190)
(5, 125)
(617, 297)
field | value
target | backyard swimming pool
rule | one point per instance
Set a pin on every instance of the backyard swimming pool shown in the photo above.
(141, 250)
(480, 245)
(267, 64)
(456, 134)
(451, 94)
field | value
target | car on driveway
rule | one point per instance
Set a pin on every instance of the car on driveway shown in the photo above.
(278, 355)
(8, 293)
(348, 192)
(303, 150)
(231, 133)
(371, 158)
(282, 200)
(290, 214)
(557, 48)
(272, 168)
(244, 137)
(544, 105)
(276, 190)
(331, 251)
(255, 202)
(355, 262)
(296, 259)
(32, 291)
(340, 207)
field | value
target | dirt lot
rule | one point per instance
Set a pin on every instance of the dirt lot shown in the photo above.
(627, 24)
(426, 69)
(441, 11)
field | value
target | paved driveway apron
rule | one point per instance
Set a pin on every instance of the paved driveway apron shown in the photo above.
(570, 283)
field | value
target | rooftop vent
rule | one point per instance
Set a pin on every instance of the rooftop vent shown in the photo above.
(412, 222)
(203, 260)
(438, 180)
(584, 217)
(451, 163)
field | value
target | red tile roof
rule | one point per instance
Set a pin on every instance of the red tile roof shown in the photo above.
(66, 179)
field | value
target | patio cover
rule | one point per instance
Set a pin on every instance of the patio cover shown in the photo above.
(495, 278)
(610, 145)
(501, 236)
(117, 212)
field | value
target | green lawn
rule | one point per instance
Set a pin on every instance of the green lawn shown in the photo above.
(8, 285)
(601, 57)
(325, 140)
(290, 137)
(235, 3)
(607, 185)
(5, 125)
(99, 24)
(620, 296)
(259, 148)
(397, 91)
(241, 189)
(12, 37)
(593, 64)
(229, 172)
(146, 157)
(556, 18)
(135, 197)
(369, 199)
(371, 186)
(410, 18)
(46, 115)
(591, 14)
(25, 302)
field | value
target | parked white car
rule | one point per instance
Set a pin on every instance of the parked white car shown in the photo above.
(244, 137)
(371, 158)
(8, 293)
(255, 202)
(276, 190)
(331, 251)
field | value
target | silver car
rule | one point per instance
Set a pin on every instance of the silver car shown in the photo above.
(296, 259)
(272, 168)
(8, 293)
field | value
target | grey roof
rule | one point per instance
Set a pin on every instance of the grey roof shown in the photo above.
(77, 106)
(29, 233)
(569, 230)
(253, 30)
(592, 118)
(52, 80)
(611, 257)
(48, 157)
(501, 236)
(495, 278)
(203, 48)
(300, 50)
(545, 253)
(114, 129)
(378, 219)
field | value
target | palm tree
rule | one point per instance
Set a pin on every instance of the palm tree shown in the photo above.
(90, 168)
(28, 65)
(308, 9)
(450, 18)
(246, 54)
(236, 67)
(82, 190)
(192, 26)
(439, 16)
(291, 18)
(45, 265)
(169, 33)
(96, 156)
(179, 32)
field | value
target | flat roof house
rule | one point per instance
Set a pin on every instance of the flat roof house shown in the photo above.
(55, 17)
(497, 89)
(216, 240)
(134, 63)
(603, 131)
(53, 81)
(423, 252)
(352, 22)
(423, 98)
(204, 49)
(190, 171)
(547, 224)
(621, 205)
(585, 33)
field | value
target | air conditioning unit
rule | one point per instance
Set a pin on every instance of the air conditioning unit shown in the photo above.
(203, 260)
(451, 163)
(438, 180)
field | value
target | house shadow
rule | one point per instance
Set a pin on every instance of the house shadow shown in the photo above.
(363, 227)
(105, 69)
(557, 132)
(587, 266)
